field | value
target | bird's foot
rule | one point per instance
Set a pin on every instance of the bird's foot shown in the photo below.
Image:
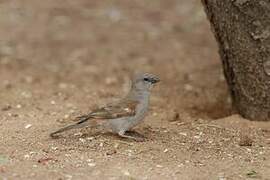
(132, 135)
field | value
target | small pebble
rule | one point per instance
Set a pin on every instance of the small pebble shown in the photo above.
(116, 146)
(82, 140)
(19, 106)
(54, 148)
(78, 134)
(28, 126)
(26, 94)
(90, 138)
(68, 177)
(90, 160)
(180, 165)
(66, 116)
(32, 152)
(166, 150)
(183, 134)
(92, 164)
(188, 87)
(126, 173)
(248, 150)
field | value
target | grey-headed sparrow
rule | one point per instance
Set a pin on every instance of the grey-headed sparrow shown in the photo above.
(124, 114)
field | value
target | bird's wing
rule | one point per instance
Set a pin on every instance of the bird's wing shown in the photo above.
(125, 108)
(117, 110)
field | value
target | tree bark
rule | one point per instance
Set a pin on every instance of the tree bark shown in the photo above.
(242, 31)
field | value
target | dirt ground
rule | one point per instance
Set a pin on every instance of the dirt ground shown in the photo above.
(60, 59)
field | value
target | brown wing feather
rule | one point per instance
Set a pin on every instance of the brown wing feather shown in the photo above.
(122, 109)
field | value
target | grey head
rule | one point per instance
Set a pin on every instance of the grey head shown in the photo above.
(144, 81)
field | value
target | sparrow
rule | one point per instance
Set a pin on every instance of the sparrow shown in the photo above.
(124, 114)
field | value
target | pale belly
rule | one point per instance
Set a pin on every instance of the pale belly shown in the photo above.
(125, 124)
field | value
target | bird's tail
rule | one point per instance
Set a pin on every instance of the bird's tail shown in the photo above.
(81, 123)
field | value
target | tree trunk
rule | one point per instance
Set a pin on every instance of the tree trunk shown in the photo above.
(242, 30)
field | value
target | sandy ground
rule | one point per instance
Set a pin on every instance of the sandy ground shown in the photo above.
(60, 59)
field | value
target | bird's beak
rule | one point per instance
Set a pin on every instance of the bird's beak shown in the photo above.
(155, 80)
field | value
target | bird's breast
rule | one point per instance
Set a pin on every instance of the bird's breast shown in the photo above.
(142, 109)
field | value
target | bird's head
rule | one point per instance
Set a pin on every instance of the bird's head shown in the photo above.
(144, 81)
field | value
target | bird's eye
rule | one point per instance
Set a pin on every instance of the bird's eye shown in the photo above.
(146, 79)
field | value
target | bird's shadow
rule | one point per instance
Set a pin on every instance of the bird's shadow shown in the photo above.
(135, 134)
(102, 134)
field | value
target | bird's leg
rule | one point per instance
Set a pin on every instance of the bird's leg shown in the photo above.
(122, 134)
